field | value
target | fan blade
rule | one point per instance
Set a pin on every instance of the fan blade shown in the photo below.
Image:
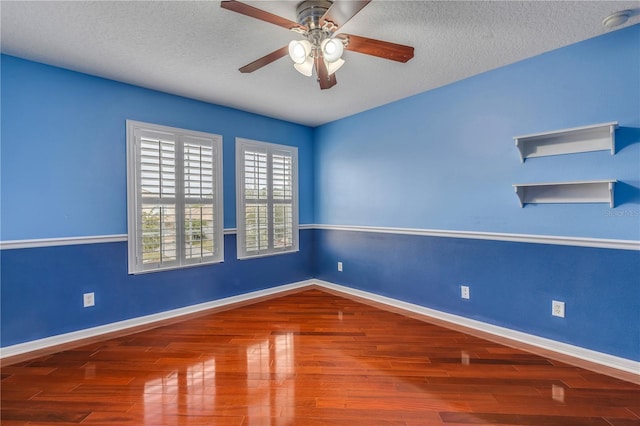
(326, 81)
(265, 60)
(341, 12)
(256, 13)
(381, 49)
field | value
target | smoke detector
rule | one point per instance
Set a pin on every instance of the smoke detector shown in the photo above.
(616, 19)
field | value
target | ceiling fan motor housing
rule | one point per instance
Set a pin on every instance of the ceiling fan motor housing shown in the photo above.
(309, 14)
(310, 11)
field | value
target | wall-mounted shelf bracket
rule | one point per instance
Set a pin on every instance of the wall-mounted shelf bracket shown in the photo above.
(591, 191)
(597, 137)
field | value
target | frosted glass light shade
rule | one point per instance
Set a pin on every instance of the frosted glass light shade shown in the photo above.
(332, 49)
(306, 67)
(299, 50)
(334, 66)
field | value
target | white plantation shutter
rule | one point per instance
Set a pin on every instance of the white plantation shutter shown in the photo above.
(256, 220)
(174, 197)
(200, 191)
(157, 198)
(267, 204)
(282, 175)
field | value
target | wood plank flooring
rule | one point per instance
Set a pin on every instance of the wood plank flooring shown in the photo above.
(310, 358)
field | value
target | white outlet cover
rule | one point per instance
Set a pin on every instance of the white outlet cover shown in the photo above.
(464, 292)
(557, 308)
(339, 266)
(89, 300)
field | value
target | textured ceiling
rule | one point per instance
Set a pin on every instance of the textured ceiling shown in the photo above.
(194, 48)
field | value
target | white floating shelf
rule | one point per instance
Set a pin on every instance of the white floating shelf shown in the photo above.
(597, 137)
(591, 191)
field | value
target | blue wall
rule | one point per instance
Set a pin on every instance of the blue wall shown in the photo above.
(64, 149)
(445, 159)
(63, 174)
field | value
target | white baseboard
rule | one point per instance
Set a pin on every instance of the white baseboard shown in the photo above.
(588, 355)
(577, 352)
(61, 339)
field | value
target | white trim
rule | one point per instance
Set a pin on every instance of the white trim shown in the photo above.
(60, 339)
(96, 239)
(518, 336)
(494, 236)
(65, 241)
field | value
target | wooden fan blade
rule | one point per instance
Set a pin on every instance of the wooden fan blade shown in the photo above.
(256, 13)
(265, 60)
(341, 12)
(326, 81)
(381, 49)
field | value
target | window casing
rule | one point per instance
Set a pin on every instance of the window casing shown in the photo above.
(174, 197)
(266, 198)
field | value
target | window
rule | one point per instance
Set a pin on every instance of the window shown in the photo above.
(174, 197)
(267, 198)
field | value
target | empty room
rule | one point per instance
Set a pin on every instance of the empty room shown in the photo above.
(320, 213)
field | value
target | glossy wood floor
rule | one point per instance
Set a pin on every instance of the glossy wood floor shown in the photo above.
(309, 358)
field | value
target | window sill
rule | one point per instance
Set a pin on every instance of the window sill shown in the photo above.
(277, 253)
(171, 268)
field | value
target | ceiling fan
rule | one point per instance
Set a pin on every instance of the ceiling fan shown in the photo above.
(320, 48)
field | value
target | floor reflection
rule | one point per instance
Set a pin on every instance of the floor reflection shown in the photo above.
(254, 380)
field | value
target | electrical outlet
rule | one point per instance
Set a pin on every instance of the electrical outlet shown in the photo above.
(339, 266)
(557, 309)
(464, 292)
(89, 299)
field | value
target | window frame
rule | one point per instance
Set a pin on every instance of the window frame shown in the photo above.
(242, 145)
(135, 130)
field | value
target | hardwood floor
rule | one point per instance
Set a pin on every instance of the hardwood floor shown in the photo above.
(310, 358)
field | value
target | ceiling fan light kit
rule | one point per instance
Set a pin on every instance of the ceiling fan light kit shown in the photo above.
(321, 48)
(330, 50)
(318, 40)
